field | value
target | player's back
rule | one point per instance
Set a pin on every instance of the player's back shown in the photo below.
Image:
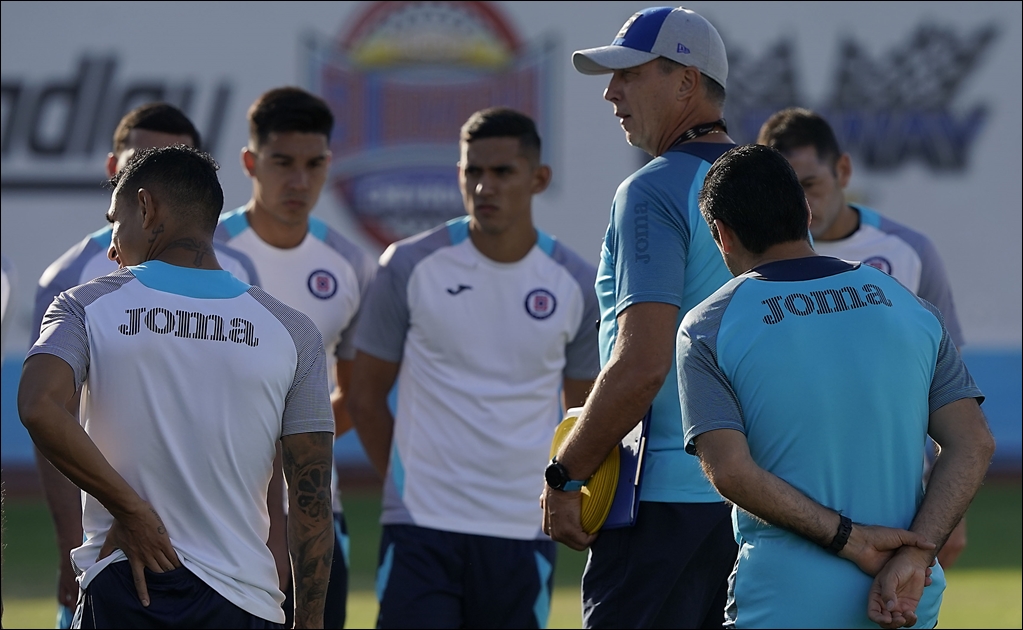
(853, 348)
(832, 366)
(87, 260)
(192, 377)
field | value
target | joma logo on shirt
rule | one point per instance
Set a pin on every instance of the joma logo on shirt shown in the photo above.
(642, 230)
(823, 302)
(189, 324)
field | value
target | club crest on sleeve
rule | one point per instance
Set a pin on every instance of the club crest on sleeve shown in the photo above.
(540, 303)
(322, 284)
(877, 262)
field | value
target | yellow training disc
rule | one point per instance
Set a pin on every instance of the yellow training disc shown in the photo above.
(599, 491)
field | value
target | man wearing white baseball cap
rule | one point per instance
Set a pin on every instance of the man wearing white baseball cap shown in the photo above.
(668, 72)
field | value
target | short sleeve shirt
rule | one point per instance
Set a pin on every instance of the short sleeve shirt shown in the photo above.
(831, 370)
(658, 248)
(190, 378)
(484, 348)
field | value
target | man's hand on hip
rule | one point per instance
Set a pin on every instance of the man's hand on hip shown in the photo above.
(143, 538)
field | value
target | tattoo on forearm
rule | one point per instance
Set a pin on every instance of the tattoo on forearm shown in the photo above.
(200, 248)
(307, 466)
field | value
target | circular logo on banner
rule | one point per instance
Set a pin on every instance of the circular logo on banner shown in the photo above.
(878, 262)
(322, 284)
(540, 303)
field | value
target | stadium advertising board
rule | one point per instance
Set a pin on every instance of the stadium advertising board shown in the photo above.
(925, 96)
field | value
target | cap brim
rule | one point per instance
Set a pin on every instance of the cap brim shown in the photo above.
(607, 59)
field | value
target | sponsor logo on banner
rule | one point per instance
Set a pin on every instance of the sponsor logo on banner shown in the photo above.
(56, 129)
(887, 107)
(401, 80)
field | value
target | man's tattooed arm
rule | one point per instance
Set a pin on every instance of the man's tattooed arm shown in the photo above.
(307, 468)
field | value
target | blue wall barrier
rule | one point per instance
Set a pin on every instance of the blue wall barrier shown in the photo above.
(998, 373)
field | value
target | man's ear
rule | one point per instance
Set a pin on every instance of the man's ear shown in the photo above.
(541, 178)
(111, 165)
(688, 82)
(727, 239)
(147, 206)
(843, 170)
(249, 161)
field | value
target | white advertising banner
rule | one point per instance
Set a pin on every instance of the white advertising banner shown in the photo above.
(926, 97)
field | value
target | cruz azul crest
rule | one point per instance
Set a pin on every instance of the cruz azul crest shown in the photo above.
(401, 79)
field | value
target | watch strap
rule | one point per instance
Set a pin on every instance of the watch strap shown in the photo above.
(562, 481)
(573, 485)
(845, 526)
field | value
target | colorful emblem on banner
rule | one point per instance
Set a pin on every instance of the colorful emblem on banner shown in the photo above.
(401, 80)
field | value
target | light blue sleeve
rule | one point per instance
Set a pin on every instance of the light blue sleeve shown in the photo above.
(649, 241)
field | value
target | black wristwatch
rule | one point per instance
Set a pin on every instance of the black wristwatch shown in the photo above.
(557, 477)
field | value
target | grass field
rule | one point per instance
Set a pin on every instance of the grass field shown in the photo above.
(984, 588)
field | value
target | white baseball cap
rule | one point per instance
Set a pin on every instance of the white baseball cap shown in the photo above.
(678, 34)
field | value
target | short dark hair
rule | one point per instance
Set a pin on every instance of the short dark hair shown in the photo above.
(286, 109)
(503, 122)
(714, 90)
(795, 128)
(754, 191)
(160, 117)
(184, 177)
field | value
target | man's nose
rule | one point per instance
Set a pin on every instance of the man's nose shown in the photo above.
(299, 179)
(611, 92)
(485, 186)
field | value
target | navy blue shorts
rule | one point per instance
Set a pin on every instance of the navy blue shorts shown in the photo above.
(434, 579)
(336, 606)
(177, 599)
(669, 570)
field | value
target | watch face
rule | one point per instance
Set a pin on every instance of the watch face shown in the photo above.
(555, 475)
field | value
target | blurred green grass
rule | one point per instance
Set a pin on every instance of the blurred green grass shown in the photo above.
(984, 588)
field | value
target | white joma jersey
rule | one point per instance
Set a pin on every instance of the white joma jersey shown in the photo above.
(191, 377)
(484, 348)
(325, 277)
(87, 260)
(903, 253)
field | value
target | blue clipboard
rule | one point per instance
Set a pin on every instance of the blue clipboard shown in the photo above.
(630, 475)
